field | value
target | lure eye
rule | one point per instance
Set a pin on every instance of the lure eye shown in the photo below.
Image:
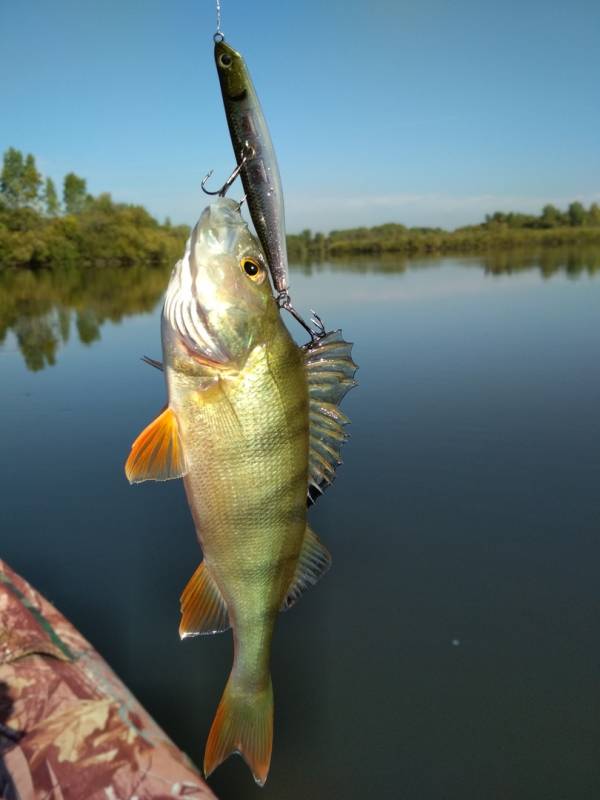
(225, 60)
(253, 270)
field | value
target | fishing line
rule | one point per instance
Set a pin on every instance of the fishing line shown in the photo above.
(219, 36)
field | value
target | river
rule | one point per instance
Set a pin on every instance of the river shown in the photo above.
(452, 651)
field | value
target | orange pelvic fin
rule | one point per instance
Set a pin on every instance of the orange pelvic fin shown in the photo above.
(203, 609)
(243, 724)
(156, 454)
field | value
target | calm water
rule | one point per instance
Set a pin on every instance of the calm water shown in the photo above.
(452, 652)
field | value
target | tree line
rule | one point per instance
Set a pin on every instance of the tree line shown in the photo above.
(23, 186)
(500, 230)
(39, 229)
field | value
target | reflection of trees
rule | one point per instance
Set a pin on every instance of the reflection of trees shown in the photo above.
(88, 326)
(38, 306)
(573, 261)
(64, 323)
(37, 340)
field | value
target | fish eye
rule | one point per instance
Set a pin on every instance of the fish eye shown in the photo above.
(225, 60)
(253, 269)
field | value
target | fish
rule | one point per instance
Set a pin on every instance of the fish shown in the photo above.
(253, 426)
(254, 152)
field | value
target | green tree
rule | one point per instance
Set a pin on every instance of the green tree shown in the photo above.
(74, 193)
(51, 198)
(32, 182)
(551, 216)
(576, 213)
(319, 244)
(11, 178)
(593, 215)
(496, 219)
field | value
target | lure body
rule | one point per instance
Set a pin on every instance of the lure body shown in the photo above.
(251, 140)
(251, 422)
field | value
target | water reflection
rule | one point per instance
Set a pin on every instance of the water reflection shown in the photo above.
(549, 262)
(39, 308)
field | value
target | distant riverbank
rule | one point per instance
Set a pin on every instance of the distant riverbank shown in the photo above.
(552, 228)
(37, 230)
(104, 234)
(108, 234)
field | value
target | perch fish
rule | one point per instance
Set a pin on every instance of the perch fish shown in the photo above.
(252, 425)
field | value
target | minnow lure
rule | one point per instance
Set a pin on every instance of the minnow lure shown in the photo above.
(256, 159)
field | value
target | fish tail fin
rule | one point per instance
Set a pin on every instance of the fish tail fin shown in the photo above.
(243, 724)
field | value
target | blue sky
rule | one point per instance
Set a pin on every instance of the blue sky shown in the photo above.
(427, 113)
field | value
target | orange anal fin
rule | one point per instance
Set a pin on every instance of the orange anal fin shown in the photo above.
(156, 454)
(243, 724)
(203, 609)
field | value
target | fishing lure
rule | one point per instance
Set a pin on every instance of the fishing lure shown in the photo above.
(256, 160)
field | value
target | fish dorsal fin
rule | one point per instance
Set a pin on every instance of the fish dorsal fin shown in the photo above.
(330, 373)
(203, 609)
(156, 454)
(313, 563)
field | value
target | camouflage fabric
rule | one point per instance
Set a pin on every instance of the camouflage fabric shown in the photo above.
(69, 729)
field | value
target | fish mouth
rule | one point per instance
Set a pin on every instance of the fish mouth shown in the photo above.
(217, 218)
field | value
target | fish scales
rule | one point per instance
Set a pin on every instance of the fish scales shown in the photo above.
(236, 428)
(243, 483)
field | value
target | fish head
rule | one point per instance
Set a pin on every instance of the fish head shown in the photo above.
(232, 71)
(219, 302)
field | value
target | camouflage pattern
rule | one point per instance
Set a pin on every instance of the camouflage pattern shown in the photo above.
(69, 729)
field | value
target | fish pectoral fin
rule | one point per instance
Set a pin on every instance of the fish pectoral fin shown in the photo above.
(330, 373)
(203, 609)
(156, 454)
(313, 563)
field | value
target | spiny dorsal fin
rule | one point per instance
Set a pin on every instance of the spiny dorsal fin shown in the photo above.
(203, 609)
(156, 454)
(313, 563)
(330, 372)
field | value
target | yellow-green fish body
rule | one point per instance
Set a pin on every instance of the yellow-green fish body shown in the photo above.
(241, 399)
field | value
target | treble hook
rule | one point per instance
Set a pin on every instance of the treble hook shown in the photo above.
(284, 301)
(223, 190)
(247, 153)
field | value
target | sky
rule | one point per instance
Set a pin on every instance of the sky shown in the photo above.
(426, 113)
